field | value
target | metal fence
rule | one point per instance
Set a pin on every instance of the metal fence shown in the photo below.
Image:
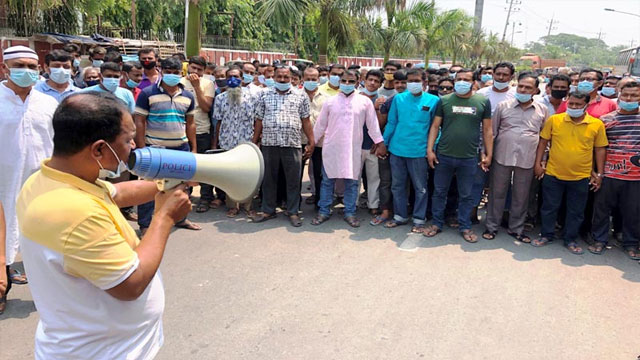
(225, 42)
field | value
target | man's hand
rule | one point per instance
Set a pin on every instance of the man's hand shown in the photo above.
(194, 79)
(381, 150)
(173, 203)
(538, 170)
(485, 163)
(595, 181)
(432, 159)
(308, 150)
(379, 101)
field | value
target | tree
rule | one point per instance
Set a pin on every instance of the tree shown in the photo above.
(400, 35)
(436, 27)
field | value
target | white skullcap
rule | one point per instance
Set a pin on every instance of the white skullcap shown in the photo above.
(16, 52)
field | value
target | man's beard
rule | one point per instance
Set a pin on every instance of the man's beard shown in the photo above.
(235, 95)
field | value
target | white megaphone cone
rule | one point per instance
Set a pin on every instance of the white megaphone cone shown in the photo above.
(238, 172)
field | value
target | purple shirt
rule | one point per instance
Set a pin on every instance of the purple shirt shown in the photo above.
(145, 82)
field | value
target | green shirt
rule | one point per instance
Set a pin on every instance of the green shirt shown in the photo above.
(461, 123)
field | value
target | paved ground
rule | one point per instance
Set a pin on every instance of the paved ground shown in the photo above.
(268, 291)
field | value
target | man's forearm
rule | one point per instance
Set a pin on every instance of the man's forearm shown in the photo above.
(542, 145)
(257, 131)
(487, 132)
(601, 155)
(136, 192)
(191, 135)
(308, 130)
(141, 128)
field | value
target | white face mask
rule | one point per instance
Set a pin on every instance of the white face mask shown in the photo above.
(110, 174)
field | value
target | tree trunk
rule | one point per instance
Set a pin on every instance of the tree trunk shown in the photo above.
(133, 14)
(192, 36)
(323, 47)
(426, 58)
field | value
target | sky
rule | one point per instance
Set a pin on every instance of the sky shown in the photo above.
(581, 17)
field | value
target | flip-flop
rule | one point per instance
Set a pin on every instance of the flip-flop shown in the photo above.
(577, 250)
(543, 241)
(319, 219)
(17, 277)
(377, 220)
(352, 221)
(233, 212)
(626, 252)
(295, 220)
(520, 237)
(468, 233)
(598, 248)
(394, 223)
(186, 224)
(203, 206)
(489, 235)
(430, 230)
(263, 217)
(417, 228)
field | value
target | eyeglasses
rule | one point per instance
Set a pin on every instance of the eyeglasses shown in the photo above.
(445, 87)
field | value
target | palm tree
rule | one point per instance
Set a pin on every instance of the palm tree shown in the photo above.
(437, 28)
(399, 36)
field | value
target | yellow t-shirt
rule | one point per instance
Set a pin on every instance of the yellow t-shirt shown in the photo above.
(326, 90)
(571, 152)
(202, 119)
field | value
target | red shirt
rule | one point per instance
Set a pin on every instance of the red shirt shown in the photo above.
(136, 91)
(623, 153)
(597, 109)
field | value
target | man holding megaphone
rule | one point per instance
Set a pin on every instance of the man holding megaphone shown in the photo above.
(96, 285)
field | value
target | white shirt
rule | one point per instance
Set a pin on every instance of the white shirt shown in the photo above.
(26, 139)
(495, 97)
(254, 89)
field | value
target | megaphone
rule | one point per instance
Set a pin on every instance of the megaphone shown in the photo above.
(238, 172)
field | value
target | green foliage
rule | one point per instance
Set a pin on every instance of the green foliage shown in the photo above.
(577, 50)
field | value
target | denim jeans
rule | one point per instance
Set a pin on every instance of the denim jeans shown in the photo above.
(465, 171)
(552, 191)
(326, 195)
(203, 142)
(416, 169)
(145, 211)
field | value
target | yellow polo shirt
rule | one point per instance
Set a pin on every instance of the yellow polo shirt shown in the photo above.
(328, 91)
(571, 152)
(81, 222)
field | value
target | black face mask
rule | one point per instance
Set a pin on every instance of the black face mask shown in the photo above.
(559, 94)
(148, 64)
(221, 83)
(92, 82)
(434, 92)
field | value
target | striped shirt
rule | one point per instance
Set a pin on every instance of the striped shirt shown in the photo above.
(623, 153)
(166, 115)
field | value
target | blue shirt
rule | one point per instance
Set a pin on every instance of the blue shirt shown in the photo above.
(123, 94)
(408, 124)
(44, 88)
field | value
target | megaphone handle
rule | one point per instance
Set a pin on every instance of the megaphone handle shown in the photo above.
(166, 184)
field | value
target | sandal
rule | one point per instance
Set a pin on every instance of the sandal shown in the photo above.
(489, 235)
(295, 220)
(203, 206)
(17, 277)
(520, 237)
(431, 231)
(469, 236)
(541, 242)
(216, 203)
(417, 228)
(233, 212)
(186, 224)
(632, 252)
(319, 219)
(3, 304)
(452, 222)
(394, 223)
(262, 217)
(574, 248)
(377, 220)
(352, 221)
(598, 248)
(310, 200)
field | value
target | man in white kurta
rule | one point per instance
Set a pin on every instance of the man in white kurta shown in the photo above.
(26, 133)
(340, 123)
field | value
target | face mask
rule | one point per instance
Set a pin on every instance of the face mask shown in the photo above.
(414, 87)
(500, 85)
(486, 77)
(97, 63)
(148, 65)
(559, 94)
(334, 80)
(281, 86)
(109, 174)
(60, 75)
(433, 92)
(585, 87)
(271, 83)
(171, 79)
(92, 82)
(546, 80)
(628, 106)
(221, 83)
(388, 77)
(111, 84)
(247, 79)
(347, 88)
(574, 113)
(132, 84)
(572, 88)
(76, 63)
(261, 79)
(523, 98)
(452, 75)
(310, 85)
(323, 79)
(23, 77)
(462, 87)
(233, 82)
(367, 92)
(608, 91)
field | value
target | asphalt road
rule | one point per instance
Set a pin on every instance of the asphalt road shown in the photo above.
(238, 290)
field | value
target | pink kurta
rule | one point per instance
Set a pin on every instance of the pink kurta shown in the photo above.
(341, 122)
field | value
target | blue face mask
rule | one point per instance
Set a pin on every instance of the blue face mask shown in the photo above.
(132, 84)
(310, 85)
(608, 91)
(247, 79)
(628, 105)
(323, 80)
(367, 92)
(23, 77)
(414, 87)
(462, 87)
(486, 77)
(110, 174)
(585, 87)
(233, 82)
(97, 63)
(171, 79)
(452, 75)
(281, 86)
(76, 63)
(347, 88)
(270, 82)
(111, 84)
(60, 75)
(572, 88)
(334, 80)
(261, 79)
(575, 113)
(500, 85)
(523, 98)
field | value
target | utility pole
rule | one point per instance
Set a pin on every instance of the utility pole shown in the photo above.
(511, 9)
(513, 30)
(552, 24)
(477, 21)
(600, 34)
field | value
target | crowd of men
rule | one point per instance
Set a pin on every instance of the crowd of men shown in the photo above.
(561, 150)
